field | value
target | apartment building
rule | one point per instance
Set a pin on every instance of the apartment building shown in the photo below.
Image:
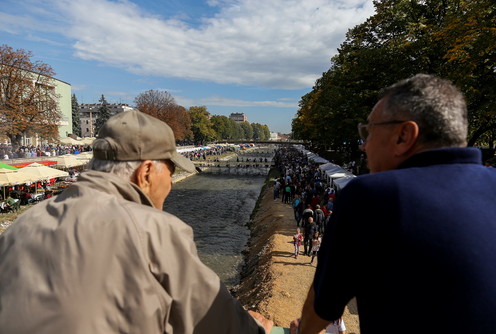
(238, 117)
(89, 113)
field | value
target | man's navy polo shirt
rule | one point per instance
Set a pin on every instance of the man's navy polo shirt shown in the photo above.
(416, 246)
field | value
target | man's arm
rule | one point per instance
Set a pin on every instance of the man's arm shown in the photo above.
(310, 322)
(266, 323)
(199, 302)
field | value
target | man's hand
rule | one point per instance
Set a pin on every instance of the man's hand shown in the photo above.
(310, 322)
(268, 324)
(293, 327)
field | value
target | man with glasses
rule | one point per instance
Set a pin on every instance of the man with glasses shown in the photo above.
(407, 248)
(103, 256)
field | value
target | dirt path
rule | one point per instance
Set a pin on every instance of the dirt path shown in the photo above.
(276, 283)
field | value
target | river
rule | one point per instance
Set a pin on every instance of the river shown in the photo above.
(217, 207)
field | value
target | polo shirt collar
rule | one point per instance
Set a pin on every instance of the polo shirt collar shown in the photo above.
(451, 155)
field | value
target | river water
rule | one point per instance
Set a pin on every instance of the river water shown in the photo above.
(218, 208)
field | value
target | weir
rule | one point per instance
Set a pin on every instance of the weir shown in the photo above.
(236, 170)
(251, 162)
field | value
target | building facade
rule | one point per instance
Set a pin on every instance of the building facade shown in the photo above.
(238, 117)
(63, 90)
(50, 94)
(89, 113)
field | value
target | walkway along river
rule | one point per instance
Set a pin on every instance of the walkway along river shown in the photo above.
(217, 207)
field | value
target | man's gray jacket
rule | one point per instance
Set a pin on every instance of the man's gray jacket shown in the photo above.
(98, 258)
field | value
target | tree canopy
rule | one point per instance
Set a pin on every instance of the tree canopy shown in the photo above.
(247, 130)
(76, 116)
(454, 39)
(103, 114)
(197, 124)
(225, 127)
(201, 125)
(28, 99)
(162, 105)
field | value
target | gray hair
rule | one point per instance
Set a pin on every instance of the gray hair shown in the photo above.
(123, 169)
(435, 104)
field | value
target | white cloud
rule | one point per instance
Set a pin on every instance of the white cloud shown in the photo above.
(276, 44)
(78, 88)
(221, 101)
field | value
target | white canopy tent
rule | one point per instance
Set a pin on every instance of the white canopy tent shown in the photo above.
(339, 175)
(330, 169)
(340, 183)
(9, 177)
(336, 176)
(319, 160)
(44, 172)
(327, 166)
(68, 161)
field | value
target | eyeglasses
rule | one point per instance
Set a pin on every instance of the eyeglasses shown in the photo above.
(363, 129)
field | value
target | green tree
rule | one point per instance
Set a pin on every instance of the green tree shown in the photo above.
(223, 126)
(247, 130)
(470, 62)
(257, 131)
(265, 132)
(239, 132)
(103, 114)
(28, 99)
(201, 126)
(449, 38)
(76, 117)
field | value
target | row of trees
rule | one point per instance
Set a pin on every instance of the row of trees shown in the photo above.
(454, 39)
(195, 125)
(207, 128)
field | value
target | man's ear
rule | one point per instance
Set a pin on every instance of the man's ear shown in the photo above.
(142, 175)
(407, 136)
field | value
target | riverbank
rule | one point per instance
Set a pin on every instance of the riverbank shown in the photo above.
(273, 282)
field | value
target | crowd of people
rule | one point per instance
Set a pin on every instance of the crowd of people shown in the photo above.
(303, 185)
(7, 151)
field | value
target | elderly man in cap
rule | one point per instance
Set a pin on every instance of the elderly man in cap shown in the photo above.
(102, 257)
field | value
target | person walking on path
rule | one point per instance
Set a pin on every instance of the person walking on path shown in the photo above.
(306, 215)
(319, 218)
(316, 240)
(287, 193)
(297, 239)
(103, 256)
(310, 230)
(297, 209)
(277, 188)
(427, 265)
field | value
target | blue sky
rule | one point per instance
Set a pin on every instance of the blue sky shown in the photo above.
(258, 57)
